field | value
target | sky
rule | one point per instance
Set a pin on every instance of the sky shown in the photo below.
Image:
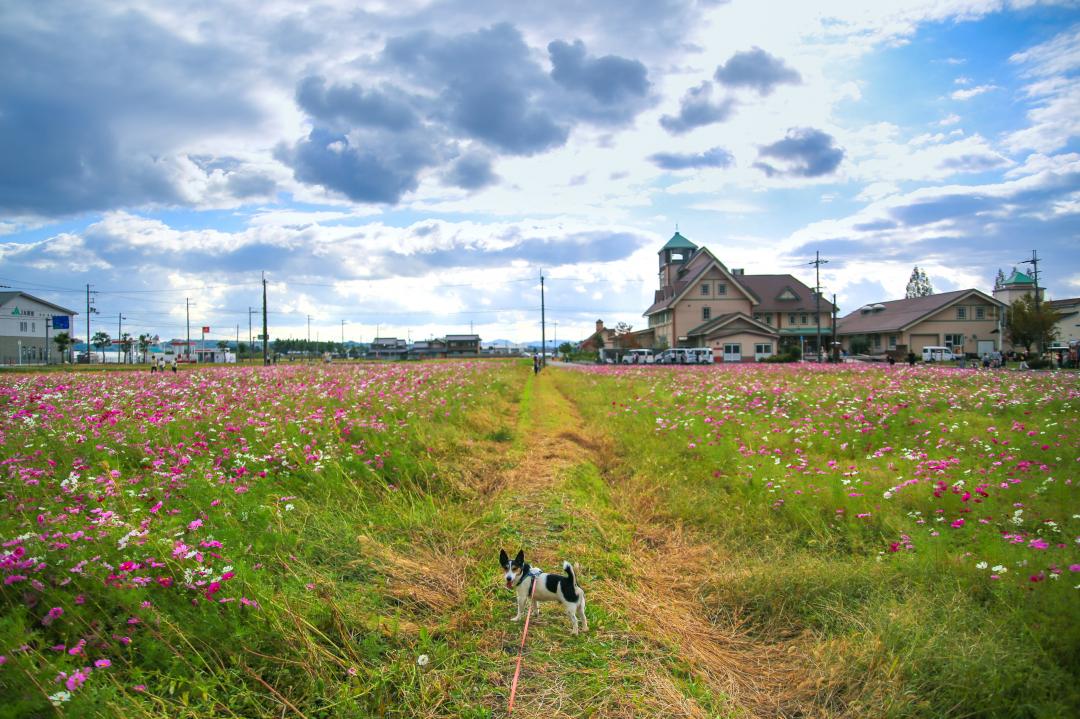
(411, 168)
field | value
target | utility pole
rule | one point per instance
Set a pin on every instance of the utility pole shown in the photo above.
(88, 310)
(832, 346)
(187, 312)
(251, 347)
(265, 334)
(119, 335)
(543, 328)
(1034, 262)
(817, 263)
(238, 342)
(555, 338)
(343, 335)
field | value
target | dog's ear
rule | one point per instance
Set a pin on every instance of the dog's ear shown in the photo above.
(520, 558)
(504, 558)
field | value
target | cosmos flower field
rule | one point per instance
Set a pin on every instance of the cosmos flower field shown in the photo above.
(167, 541)
(136, 505)
(981, 466)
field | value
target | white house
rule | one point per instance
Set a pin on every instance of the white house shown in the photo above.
(27, 328)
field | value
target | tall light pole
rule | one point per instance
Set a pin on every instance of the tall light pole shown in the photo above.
(119, 335)
(543, 328)
(817, 263)
(1034, 262)
(187, 311)
(265, 334)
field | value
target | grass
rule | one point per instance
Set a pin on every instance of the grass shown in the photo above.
(350, 517)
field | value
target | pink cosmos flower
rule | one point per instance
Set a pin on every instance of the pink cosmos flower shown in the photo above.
(957, 523)
(102, 663)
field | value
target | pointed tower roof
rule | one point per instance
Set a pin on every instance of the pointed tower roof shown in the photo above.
(678, 242)
(1018, 278)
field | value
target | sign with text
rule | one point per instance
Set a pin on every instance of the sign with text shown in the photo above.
(61, 322)
(205, 330)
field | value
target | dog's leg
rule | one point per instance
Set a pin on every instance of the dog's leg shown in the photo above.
(581, 611)
(571, 611)
(520, 608)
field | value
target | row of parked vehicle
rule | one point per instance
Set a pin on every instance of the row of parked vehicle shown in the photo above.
(678, 355)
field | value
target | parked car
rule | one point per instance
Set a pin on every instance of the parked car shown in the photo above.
(700, 355)
(934, 353)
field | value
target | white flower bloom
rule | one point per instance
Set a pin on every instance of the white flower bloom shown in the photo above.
(981, 565)
(423, 660)
(999, 569)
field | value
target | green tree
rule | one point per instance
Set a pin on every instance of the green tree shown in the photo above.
(144, 345)
(62, 341)
(565, 349)
(999, 280)
(126, 343)
(919, 284)
(1026, 325)
(101, 340)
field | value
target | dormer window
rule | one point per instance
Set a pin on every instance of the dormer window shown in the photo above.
(721, 288)
(704, 289)
(961, 313)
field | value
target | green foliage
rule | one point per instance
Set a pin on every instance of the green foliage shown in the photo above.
(1025, 325)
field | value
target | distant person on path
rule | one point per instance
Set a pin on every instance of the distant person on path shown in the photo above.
(153, 365)
(536, 364)
(911, 359)
(174, 367)
(891, 360)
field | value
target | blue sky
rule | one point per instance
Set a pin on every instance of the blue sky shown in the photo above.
(410, 167)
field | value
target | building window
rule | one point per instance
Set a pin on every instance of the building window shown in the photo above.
(980, 313)
(791, 318)
(764, 348)
(892, 342)
(33, 326)
(954, 340)
(22, 327)
(802, 319)
(961, 313)
(704, 289)
(721, 288)
(768, 318)
(706, 313)
(877, 342)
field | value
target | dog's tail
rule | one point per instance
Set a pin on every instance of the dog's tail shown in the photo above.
(569, 569)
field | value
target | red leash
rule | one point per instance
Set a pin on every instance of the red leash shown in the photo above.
(521, 649)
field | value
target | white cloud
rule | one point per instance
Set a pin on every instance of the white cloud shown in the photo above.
(973, 92)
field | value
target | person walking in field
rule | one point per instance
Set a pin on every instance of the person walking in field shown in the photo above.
(536, 364)
(174, 369)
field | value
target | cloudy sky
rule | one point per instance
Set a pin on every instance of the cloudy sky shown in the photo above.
(411, 167)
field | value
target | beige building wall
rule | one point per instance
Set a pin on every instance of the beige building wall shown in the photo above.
(748, 344)
(722, 298)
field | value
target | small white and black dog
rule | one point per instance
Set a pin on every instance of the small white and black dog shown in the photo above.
(549, 588)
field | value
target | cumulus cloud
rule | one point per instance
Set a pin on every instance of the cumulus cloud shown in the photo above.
(79, 130)
(715, 157)
(471, 171)
(804, 152)
(697, 109)
(1054, 92)
(485, 87)
(352, 105)
(364, 171)
(756, 69)
(614, 87)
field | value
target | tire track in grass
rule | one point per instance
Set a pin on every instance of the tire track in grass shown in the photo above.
(555, 503)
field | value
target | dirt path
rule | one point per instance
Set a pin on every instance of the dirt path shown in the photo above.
(655, 648)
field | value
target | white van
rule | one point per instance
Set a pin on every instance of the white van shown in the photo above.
(638, 356)
(701, 355)
(933, 353)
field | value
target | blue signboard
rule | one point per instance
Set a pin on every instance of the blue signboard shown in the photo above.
(60, 322)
